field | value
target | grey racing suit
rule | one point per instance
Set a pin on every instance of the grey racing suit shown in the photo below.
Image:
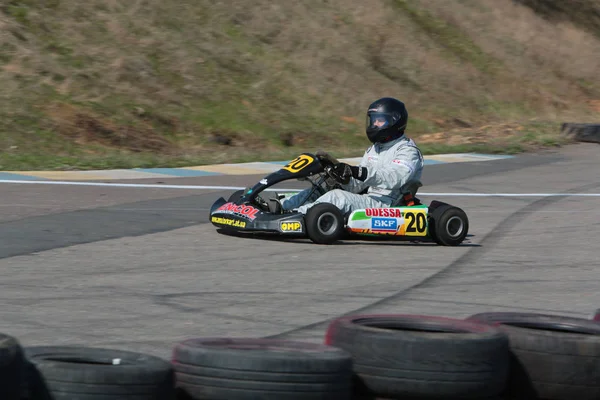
(393, 169)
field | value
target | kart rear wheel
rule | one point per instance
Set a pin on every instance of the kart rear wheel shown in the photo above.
(324, 223)
(448, 225)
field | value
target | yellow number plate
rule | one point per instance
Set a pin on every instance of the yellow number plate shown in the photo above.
(298, 163)
(415, 223)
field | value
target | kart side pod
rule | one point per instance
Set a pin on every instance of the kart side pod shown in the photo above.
(443, 223)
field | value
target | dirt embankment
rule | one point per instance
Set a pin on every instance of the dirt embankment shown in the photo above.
(151, 81)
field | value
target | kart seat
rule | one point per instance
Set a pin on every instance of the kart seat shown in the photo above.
(275, 206)
(273, 202)
(408, 198)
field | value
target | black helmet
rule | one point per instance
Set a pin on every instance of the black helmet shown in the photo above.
(386, 119)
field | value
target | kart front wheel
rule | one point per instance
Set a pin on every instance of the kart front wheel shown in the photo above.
(324, 223)
(448, 225)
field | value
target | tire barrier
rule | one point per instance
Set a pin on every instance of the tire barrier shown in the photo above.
(85, 373)
(491, 355)
(11, 367)
(240, 369)
(556, 357)
(581, 132)
(408, 356)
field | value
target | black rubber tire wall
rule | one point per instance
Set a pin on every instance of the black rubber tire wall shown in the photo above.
(408, 356)
(241, 369)
(84, 373)
(11, 367)
(551, 362)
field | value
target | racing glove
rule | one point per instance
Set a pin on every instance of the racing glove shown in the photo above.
(345, 172)
(327, 156)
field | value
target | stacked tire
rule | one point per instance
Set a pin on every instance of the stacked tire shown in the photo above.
(244, 369)
(11, 368)
(491, 355)
(205, 368)
(552, 357)
(581, 132)
(81, 373)
(88, 373)
(422, 357)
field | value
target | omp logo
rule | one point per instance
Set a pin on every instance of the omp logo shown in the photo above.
(292, 226)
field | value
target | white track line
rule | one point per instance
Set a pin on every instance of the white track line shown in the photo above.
(131, 185)
(202, 187)
(511, 194)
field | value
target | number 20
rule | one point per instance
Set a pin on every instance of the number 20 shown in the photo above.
(298, 163)
(418, 220)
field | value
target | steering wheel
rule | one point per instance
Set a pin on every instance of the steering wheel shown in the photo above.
(328, 164)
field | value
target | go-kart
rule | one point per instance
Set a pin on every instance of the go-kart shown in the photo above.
(251, 211)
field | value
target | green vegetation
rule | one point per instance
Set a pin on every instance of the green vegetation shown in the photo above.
(120, 83)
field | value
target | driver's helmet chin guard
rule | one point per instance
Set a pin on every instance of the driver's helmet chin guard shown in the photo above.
(386, 120)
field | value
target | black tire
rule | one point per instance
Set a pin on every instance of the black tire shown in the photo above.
(235, 196)
(559, 356)
(448, 225)
(84, 373)
(410, 356)
(324, 223)
(581, 132)
(11, 367)
(436, 204)
(243, 369)
(430, 221)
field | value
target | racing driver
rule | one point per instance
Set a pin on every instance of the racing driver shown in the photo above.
(388, 175)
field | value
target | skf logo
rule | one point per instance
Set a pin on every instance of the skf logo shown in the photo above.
(384, 224)
(292, 226)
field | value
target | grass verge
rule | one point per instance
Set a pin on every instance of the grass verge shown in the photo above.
(505, 138)
(155, 83)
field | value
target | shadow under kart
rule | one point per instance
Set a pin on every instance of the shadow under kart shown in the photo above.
(247, 212)
(346, 239)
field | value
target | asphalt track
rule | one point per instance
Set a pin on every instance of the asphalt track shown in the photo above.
(140, 268)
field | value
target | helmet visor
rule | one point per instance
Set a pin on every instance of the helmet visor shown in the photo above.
(378, 120)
